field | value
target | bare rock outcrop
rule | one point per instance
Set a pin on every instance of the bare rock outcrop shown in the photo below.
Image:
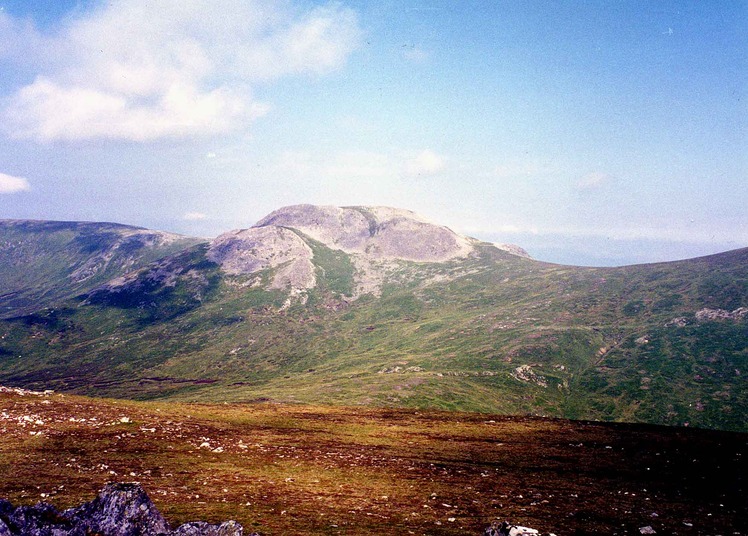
(514, 249)
(721, 314)
(251, 250)
(377, 232)
(119, 510)
(374, 237)
(127, 243)
(504, 528)
(378, 240)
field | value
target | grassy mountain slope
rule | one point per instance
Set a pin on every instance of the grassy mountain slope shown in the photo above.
(663, 343)
(44, 262)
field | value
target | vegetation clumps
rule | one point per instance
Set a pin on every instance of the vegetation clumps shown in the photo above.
(321, 470)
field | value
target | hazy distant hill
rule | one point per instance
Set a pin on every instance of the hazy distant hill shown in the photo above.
(372, 305)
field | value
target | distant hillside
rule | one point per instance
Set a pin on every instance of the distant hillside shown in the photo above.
(376, 306)
(43, 262)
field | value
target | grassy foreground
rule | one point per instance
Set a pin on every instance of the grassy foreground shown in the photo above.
(292, 469)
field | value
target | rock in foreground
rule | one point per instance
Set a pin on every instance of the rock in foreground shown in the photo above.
(118, 510)
(504, 528)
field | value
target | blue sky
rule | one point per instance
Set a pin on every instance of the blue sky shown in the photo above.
(598, 132)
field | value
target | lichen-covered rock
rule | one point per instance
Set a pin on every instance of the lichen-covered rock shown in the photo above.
(41, 519)
(201, 528)
(118, 510)
(707, 314)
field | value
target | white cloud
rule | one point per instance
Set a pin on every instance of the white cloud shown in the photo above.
(140, 70)
(425, 164)
(295, 165)
(18, 38)
(356, 172)
(195, 216)
(11, 185)
(346, 166)
(47, 111)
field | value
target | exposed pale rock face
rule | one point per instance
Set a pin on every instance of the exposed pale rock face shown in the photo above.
(251, 250)
(514, 250)
(378, 232)
(503, 528)
(377, 239)
(338, 228)
(127, 242)
(524, 373)
(721, 314)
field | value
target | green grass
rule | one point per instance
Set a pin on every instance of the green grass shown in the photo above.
(335, 271)
(457, 340)
(46, 262)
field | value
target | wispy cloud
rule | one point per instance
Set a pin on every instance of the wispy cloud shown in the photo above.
(194, 216)
(139, 70)
(633, 232)
(11, 185)
(424, 164)
(352, 165)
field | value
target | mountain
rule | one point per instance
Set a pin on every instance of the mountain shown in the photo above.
(377, 306)
(371, 241)
(45, 261)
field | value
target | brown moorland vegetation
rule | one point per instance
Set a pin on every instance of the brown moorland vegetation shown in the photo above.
(288, 469)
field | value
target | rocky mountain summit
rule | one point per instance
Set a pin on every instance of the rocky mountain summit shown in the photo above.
(342, 252)
(376, 232)
(375, 239)
(118, 510)
(370, 235)
(294, 248)
(252, 250)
